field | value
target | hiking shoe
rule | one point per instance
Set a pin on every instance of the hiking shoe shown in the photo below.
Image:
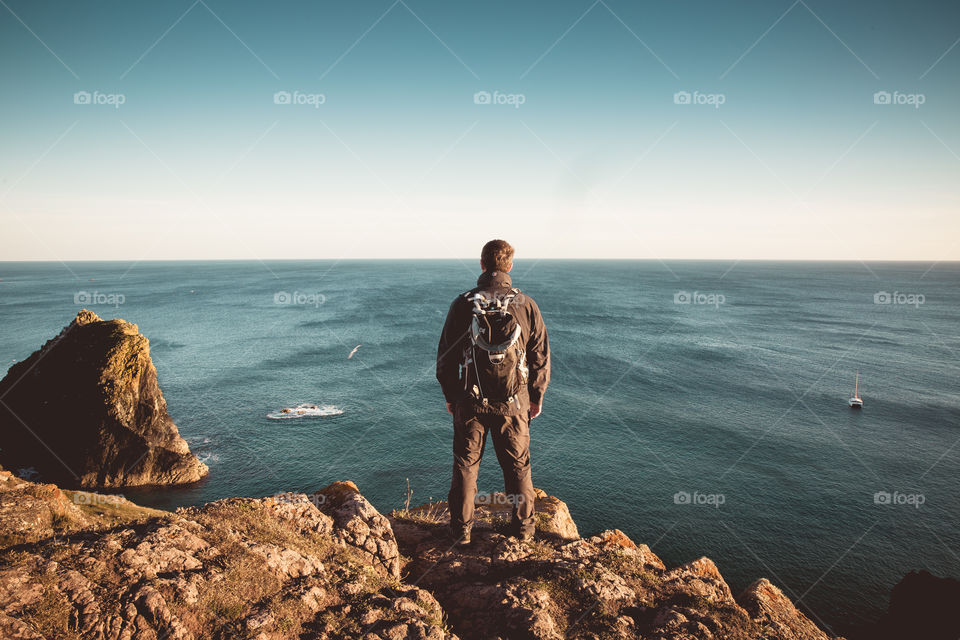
(524, 536)
(460, 537)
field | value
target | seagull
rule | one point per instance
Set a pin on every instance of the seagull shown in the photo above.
(355, 349)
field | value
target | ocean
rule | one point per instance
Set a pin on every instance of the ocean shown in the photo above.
(700, 407)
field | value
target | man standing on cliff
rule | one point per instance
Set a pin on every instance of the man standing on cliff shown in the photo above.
(493, 364)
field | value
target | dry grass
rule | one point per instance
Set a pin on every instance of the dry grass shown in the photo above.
(247, 585)
(244, 583)
(50, 616)
(252, 521)
(430, 513)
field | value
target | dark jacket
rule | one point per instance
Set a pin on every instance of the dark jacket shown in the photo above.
(456, 337)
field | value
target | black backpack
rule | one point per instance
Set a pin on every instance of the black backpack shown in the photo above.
(495, 362)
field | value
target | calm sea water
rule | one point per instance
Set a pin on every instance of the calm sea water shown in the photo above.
(737, 399)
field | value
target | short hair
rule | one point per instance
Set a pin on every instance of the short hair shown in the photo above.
(497, 255)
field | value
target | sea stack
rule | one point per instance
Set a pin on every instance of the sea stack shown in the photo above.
(85, 410)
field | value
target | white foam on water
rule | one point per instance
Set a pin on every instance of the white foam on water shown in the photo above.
(305, 411)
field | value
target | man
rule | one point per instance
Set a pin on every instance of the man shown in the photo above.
(493, 364)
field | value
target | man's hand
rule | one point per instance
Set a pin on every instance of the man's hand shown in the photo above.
(534, 410)
(450, 408)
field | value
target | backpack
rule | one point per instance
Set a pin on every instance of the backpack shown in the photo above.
(495, 363)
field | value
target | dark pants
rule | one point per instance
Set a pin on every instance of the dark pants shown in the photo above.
(511, 441)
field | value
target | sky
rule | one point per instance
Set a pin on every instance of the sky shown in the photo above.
(215, 129)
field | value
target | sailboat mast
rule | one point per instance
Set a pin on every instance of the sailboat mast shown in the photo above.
(856, 389)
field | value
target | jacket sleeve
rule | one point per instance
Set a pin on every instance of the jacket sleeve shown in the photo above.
(538, 356)
(450, 353)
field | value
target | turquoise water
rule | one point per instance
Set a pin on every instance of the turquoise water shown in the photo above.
(739, 402)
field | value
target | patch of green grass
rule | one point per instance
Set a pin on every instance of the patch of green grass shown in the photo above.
(435, 615)
(111, 510)
(542, 520)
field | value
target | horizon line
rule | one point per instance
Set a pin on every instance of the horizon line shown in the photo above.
(475, 258)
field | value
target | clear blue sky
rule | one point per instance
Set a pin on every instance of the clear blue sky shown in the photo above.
(400, 160)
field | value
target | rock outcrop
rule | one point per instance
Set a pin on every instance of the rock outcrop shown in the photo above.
(329, 565)
(86, 411)
(83, 565)
(922, 605)
(767, 605)
(563, 586)
(360, 525)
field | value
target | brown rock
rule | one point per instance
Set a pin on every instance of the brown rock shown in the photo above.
(358, 524)
(85, 410)
(774, 611)
(322, 566)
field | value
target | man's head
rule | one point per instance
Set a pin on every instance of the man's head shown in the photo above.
(497, 255)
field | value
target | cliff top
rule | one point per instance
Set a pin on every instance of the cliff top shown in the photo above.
(329, 565)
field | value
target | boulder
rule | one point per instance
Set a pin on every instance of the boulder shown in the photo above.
(358, 524)
(85, 410)
(776, 613)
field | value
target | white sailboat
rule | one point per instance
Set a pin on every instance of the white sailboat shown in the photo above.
(856, 402)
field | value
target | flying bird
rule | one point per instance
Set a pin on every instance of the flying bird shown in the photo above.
(355, 349)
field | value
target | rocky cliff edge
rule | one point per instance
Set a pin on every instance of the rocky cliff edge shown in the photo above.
(75, 564)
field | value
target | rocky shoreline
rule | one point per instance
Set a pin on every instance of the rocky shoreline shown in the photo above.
(329, 565)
